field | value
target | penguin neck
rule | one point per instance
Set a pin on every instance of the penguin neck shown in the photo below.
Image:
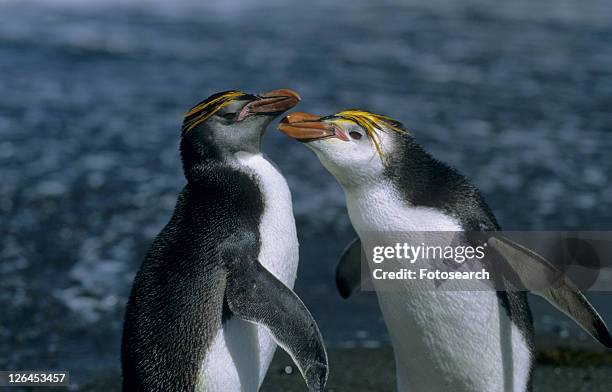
(369, 191)
(200, 168)
(421, 179)
(371, 207)
(411, 193)
(349, 180)
(361, 187)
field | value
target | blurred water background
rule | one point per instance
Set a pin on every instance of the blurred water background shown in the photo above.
(517, 95)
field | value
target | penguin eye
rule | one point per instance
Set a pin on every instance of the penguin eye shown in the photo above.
(355, 135)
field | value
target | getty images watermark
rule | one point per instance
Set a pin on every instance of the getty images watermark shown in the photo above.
(513, 260)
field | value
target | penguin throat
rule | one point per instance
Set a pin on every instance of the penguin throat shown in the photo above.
(352, 181)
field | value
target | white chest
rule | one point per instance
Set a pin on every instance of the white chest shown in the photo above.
(279, 248)
(380, 208)
(239, 356)
(442, 339)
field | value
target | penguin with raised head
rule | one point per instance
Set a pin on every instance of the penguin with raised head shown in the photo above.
(476, 341)
(214, 296)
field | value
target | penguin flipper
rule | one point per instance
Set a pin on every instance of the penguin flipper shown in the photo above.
(348, 269)
(255, 295)
(532, 269)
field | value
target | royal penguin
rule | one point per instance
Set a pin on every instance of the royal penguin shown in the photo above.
(213, 296)
(443, 340)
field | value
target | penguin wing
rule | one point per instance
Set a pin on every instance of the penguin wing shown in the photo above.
(348, 270)
(255, 295)
(542, 278)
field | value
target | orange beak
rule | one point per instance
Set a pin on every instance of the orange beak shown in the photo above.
(307, 127)
(275, 101)
(272, 102)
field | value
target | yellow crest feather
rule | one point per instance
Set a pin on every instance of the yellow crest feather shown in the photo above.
(205, 109)
(370, 122)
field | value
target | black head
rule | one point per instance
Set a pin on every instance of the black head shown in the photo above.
(228, 122)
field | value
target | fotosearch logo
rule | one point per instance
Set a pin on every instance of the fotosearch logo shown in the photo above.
(411, 253)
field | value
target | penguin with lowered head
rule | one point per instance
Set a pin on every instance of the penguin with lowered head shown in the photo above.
(470, 341)
(213, 296)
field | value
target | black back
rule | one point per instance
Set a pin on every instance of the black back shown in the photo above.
(425, 181)
(177, 300)
(428, 182)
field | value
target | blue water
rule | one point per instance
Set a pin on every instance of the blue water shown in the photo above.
(517, 96)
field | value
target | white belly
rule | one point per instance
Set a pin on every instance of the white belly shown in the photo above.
(442, 340)
(241, 352)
